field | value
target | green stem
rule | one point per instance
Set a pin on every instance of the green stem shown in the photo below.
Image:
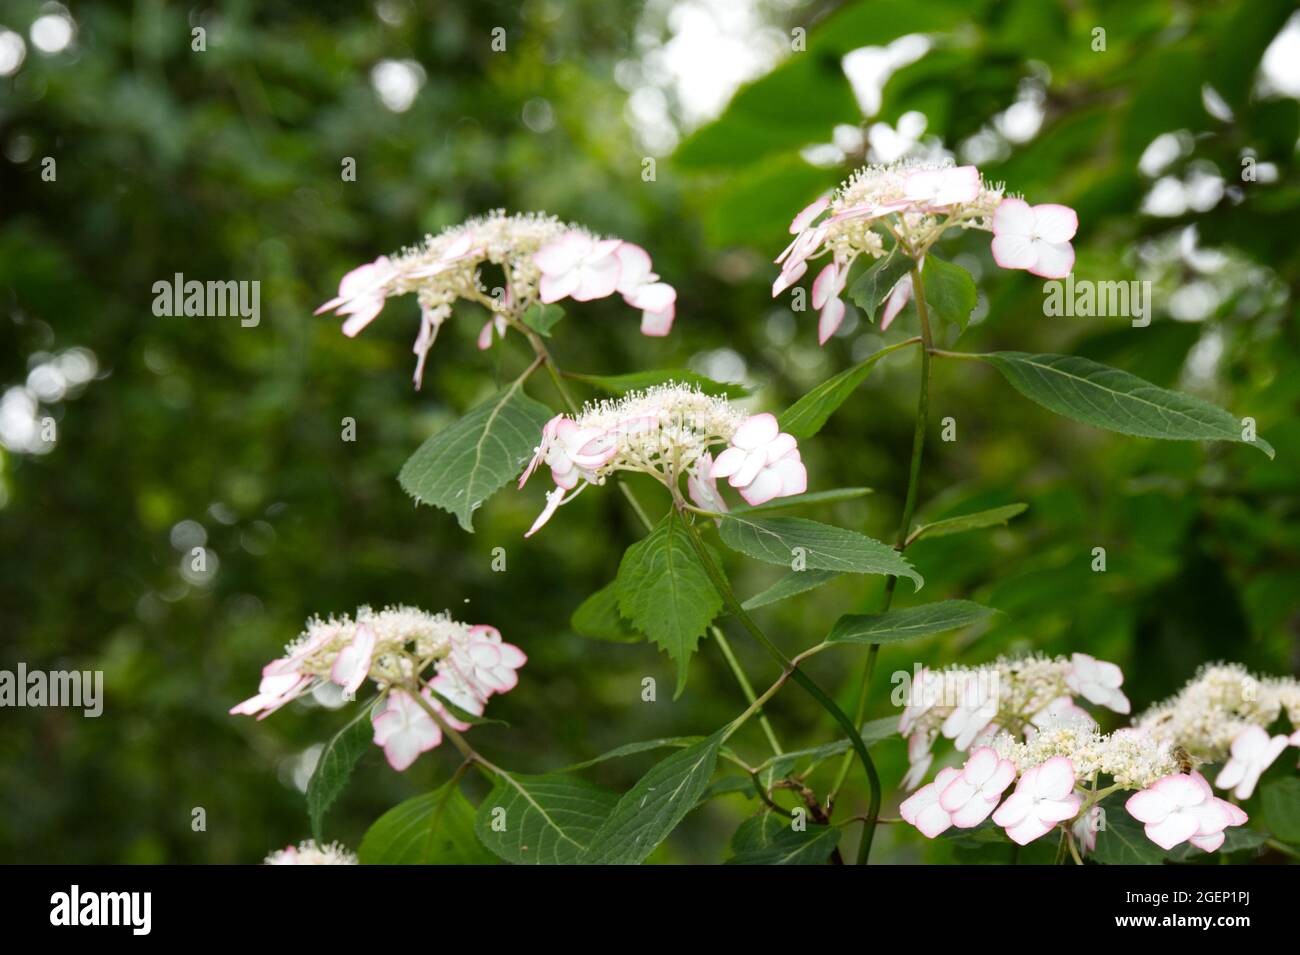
(790, 667)
(900, 543)
(545, 357)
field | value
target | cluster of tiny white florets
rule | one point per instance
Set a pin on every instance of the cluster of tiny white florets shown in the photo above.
(1010, 691)
(1214, 707)
(880, 186)
(407, 640)
(663, 431)
(439, 272)
(1133, 758)
(309, 853)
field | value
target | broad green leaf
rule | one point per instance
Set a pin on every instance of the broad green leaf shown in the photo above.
(1085, 391)
(650, 810)
(542, 820)
(769, 839)
(873, 732)
(464, 464)
(726, 786)
(870, 288)
(950, 291)
(597, 618)
(640, 380)
(809, 414)
(905, 624)
(436, 828)
(632, 749)
(334, 768)
(783, 540)
(665, 591)
(796, 582)
(816, 497)
(1281, 801)
(1123, 841)
(542, 318)
(969, 522)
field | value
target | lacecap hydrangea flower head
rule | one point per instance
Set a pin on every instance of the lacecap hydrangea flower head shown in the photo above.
(542, 259)
(906, 207)
(669, 432)
(1226, 715)
(426, 667)
(309, 853)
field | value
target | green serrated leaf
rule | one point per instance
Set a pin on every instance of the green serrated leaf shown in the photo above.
(950, 291)
(542, 820)
(436, 828)
(1083, 390)
(665, 591)
(969, 522)
(871, 287)
(542, 318)
(334, 768)
(769, 839)
(905, 624)
(816, 497)
(632, 749)
(822, 547)
(466, 463)
(597, 618)
(796, 582)
(1281, 801)
(809, 414)
(640, 380)
(650, 810)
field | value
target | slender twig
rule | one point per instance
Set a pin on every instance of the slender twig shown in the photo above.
(904, 526)
(793, 672)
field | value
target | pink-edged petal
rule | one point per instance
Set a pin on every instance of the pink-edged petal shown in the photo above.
(958, 793)
(352, 664)
(635, 267)
(1028, 829)
(898, 296)
(1179, 827)
(1055, 778)
(808, 214)
(658, 324)
(980, 766)
(1149, 806)
(729, 462)
(553, 499)
(562, 255)
(755, 431)
(1208, 843)
(793, 475)
(1013, 810)
(1053, 260)
(598, 279)
(832, 316)
(763, 488)
(1013, 251)
(1001, 777)
(552, 288)
(792, 273)
(364, 314)
(973, 812)
(1059, 810)
(825, 285)
(1054, 223)
(654, 297)
(923, 798)
(932, 821)
(1013, 217)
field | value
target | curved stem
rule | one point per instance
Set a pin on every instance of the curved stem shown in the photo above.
(900, 543)
(791, 667)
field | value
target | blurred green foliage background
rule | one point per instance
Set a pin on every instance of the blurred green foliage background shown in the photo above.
(225, 164)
